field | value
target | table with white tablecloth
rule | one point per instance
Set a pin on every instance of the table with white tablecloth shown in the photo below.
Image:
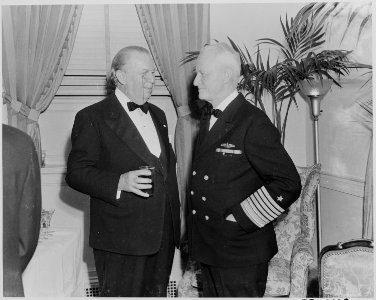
(55, 269)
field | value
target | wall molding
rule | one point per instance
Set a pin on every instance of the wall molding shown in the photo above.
(342, 184)
(75, 103)
(52, 174)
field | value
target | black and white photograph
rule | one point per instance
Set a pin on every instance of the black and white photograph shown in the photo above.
(187, 149)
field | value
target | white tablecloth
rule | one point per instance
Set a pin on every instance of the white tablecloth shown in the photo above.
(56, 266)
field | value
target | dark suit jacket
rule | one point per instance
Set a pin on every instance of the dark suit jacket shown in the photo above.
(106, 144)
(21, 207)
(240, 157)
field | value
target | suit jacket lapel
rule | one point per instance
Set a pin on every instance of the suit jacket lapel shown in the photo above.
(221, 127)
(119, 121)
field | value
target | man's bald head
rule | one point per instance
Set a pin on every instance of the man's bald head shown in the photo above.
(225, 56)
(218, 72)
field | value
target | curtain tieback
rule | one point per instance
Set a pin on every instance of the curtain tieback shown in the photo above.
(183, 111)
(23, 109)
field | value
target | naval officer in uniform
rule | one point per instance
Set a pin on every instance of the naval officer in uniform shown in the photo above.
(242, 179)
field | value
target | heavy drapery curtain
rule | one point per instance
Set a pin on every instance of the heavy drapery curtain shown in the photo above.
(170, 31)
(37, 44)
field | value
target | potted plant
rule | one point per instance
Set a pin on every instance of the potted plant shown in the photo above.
(299, 62)
(303, 36)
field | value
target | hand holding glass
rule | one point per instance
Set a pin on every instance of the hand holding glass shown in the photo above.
(151, 169)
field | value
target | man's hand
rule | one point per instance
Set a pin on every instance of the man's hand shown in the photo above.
(133, 182)
(231, 218)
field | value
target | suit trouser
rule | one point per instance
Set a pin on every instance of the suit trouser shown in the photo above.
(122, 275)
(247, 281)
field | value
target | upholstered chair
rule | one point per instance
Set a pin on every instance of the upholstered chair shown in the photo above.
(346, 270)
(288, 269)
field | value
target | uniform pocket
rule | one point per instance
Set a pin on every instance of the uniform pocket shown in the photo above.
(226, 165)
(233, 231)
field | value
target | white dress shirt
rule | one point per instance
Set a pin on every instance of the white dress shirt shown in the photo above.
(144, 124)
(222, 106)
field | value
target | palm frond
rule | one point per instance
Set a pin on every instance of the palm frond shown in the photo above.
(326, 13)
(274, 42)
(352, 15)
(365, 21)
(367, 105)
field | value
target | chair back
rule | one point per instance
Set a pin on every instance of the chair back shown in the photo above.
(346, 270)
(300, 216)
(294, 230)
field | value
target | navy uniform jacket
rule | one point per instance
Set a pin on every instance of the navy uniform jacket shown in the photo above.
(106, 144)
(240, 168)
(21, 207)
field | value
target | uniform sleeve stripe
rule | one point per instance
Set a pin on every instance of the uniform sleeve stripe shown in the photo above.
(250, 214)
(272, 210)
(249, 211)
(259, 209)
(254, 212)
(270, 199)
(266, 211)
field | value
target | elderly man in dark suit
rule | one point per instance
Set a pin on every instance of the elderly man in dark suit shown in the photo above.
(242, 179)
(21, 207)
(133, 233)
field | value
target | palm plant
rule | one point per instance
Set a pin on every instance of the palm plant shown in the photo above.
(358, 17)
(303, 36)
(326, 12)
(299, 62)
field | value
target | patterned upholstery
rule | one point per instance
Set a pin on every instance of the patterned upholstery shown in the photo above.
(346, 270)
(188, 286)
(288, 269)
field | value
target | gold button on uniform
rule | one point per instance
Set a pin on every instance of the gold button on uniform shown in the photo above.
(194, 173)
(203, 198)
(206, 177)
(206, 218)
(193, 212)
(192, 192)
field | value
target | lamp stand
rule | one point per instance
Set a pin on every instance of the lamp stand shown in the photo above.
(318, 198)
(315, 106)
(315, 109)
(315, 88)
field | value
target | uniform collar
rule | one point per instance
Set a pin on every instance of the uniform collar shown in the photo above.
(222, 106)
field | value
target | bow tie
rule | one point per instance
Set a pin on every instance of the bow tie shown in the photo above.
(144, 107)
(209, 110)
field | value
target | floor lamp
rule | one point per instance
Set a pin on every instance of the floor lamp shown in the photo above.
(315, 89)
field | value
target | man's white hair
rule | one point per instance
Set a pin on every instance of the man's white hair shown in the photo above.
(226, 56)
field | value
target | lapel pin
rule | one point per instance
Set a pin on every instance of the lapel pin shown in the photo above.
(229, 151)
(227, 146)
